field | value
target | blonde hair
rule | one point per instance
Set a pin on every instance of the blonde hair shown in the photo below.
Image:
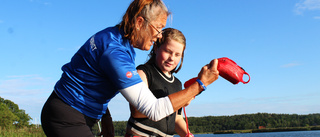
(143, 8)
(167, 35)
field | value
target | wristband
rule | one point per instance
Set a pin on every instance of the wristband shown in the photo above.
(201, 84)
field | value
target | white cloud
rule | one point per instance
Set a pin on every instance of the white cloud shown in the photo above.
(76, 48)
(40, 2)
(28, 91)
(307, 5)
(47, 3)
(316, 17)
(289, 65)
(23, 85)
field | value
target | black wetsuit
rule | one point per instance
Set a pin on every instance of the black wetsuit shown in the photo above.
(161, 86)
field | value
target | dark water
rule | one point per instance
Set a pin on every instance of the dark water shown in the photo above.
(314, 133)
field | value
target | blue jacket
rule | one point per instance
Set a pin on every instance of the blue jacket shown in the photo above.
(99, 69)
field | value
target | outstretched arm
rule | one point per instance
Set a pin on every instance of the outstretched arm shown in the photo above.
(155, 109)
(207, 75)
(180, 126)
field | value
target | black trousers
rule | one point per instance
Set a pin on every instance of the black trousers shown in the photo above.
(58, 119)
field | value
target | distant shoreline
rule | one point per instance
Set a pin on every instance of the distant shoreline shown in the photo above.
(282, 129)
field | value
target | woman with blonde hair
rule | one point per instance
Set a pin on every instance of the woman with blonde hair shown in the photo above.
(167, 53)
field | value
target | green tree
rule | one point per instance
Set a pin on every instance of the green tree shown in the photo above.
(7, 118)
(22, 118)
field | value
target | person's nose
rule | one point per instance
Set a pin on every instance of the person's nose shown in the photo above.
(159, 36)
(171, 57)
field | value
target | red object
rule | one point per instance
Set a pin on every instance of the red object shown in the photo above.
(189, 82)
(230, 71)
(128, 135)
(185, 115)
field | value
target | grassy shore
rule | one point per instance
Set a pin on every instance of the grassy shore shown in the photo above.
(22, 132)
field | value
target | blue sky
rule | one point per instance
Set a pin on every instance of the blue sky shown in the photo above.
(276, 41)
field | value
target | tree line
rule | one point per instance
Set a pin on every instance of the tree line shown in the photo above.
(251, 121)
(210, 124)
(13, 117)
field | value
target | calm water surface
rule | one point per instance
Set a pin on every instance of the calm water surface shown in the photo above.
(314, 133)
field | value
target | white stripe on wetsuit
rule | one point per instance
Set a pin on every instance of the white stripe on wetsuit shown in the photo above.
(144, 127)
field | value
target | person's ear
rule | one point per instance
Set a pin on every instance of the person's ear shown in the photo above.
(139, 22)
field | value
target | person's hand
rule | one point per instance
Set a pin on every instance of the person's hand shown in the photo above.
(107, 129)
(189, 135)
(209, 73)
(188, 102)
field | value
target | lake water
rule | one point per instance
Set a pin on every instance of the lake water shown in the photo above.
(313, 133)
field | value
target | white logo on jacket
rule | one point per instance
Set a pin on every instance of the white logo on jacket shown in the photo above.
(92, 44)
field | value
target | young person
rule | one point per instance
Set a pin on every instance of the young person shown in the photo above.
(104, 66)
(157, 73)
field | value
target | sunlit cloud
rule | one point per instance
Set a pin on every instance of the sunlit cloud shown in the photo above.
(40, 2)
(23, 85)
(47, 3)
(305, 5)
(29, 92)
(289, 65)
(69, 49)
(316, 17)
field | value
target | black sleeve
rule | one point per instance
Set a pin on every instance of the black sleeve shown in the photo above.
(180, 111)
